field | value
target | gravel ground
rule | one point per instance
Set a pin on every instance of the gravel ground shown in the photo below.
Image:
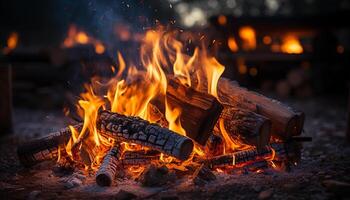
(322, 174)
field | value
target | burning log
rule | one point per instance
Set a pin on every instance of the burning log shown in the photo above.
(202, 175)
(243, 156)
(106, 173)
(246, 126)
(46, 148)
(141, 157)
(286, 122)
(139, 131)
(201, 110)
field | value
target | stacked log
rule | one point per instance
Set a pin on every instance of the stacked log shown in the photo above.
(246, 126)
(46, 148)
(109, 166)
(139, 131)
(286, 122)
(141, 157)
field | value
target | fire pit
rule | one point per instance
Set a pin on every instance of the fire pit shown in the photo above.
(173, 118)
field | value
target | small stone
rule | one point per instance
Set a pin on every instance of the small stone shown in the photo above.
(266, 194)
(125, 195)
(33, 194)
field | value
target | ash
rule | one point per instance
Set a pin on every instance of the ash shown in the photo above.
(321, 174)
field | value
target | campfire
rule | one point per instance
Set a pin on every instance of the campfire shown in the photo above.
(171, 113)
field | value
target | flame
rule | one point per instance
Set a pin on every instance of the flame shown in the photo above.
(248, 36)
(133, 87)
(291, 45)
(232, 44)
(76, 37)
(230, 144)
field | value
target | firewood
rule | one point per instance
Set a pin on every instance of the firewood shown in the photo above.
(109, 166)
(202, 175)
(141, 157)
(46, 148)
(243, 156)
(200, 110)
(215, 146)
(246, 126)
(286, 122)
(139, 131)
(257, 165)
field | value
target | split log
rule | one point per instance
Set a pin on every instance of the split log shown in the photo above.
(106, 173)
(46, 148)
(243, 156)
(139, 131)
(286, 122)
(141, 157)
(200, 110)
(246, 126)
(203, 175)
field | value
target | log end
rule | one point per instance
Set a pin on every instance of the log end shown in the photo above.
(103, 180)
(186, 149)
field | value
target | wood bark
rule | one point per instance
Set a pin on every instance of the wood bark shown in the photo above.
(200, 110)
(46, 148)
(246, 126)
(244, 156)
(139, 131)
(109, 166)
(286, 122)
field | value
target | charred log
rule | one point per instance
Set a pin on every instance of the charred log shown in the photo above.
(45, 148)
(244, 156)
(108, 169)
(246, 126)
(139, 131)
(141, 157)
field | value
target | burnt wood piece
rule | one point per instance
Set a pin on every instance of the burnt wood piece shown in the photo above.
(155, 176)
(46, 148)
(6, 99)
(258, 165)
(109, 166)
(200, 110)
(87, 153)
(203, 175)
(286, 122)
(244, 156)
(246, 126)
(141, 157)
(139, 131)
(215, 146)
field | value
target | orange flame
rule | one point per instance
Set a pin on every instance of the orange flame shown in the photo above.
(12, 40)
(291, 45)
(133, 88)
(248, 36)
(232, 44)
(76, 37)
